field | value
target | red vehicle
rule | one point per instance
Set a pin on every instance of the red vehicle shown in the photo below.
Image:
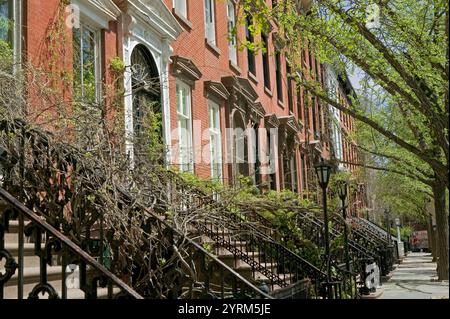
(419, 240)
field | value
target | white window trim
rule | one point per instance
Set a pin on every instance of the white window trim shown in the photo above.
(98, 56)
(212, 24)
(16, 45)
(232, 50)
(217, 133)
(178, 9)
(187, 117)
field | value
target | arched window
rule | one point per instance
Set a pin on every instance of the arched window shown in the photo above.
(146, 92)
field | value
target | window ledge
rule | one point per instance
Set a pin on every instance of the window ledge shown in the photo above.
(184, 21)
(212, 47)
(252, 77)
(268, 91)
(235, 68)
(280, 104)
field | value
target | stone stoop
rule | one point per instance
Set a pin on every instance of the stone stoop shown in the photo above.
(31, 269)
(241, 267)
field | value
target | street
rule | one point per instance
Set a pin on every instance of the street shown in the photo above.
(412, 279)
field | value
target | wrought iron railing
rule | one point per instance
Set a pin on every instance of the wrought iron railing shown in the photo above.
(312, 229)
(387, 252)
(71, 230)
(91, 274)
(246, 240)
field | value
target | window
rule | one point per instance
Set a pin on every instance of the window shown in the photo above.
(313, 110)
(231, 32)
(210, 29)
(257, 163)
(6, 16)
(319, 110)
(250, 53)
(294, 173)
(180, 7)
(287, 181)
(265, 58)
(306, 106)
(271, 156)
(215, 140)
(299, 103)
(289, 88)
(278, 76)
(184, 126)
(86, 64)
(303, 164)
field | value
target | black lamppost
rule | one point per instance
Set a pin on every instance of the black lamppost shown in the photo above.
(342, 192)
(323, 171)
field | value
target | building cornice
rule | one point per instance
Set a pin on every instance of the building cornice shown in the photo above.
(271, 121)
(185, 68)
(156, 15)
(217, 89)
(240, 87)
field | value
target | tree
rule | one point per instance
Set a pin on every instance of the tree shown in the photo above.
(403, 52)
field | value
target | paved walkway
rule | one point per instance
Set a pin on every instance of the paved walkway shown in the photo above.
(412, 279)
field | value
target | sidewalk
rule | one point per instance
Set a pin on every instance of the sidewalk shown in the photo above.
(412, 279)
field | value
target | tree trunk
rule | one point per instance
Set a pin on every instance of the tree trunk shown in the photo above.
(441, 229)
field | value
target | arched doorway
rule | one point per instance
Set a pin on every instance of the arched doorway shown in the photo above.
(146, 93)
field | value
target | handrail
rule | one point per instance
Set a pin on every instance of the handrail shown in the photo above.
(43, 136)
(210, 200)
(196, 245)
(379, 229)
(375, 235)
(70, 244)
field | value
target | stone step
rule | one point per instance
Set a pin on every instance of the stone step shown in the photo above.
(54, 278)
(12, 236)
(217, 249)
(247, 271)
(30, 259)
(232, 261)
(12, 291)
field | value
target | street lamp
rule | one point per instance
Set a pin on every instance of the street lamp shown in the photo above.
(342, 192)
(323, 171)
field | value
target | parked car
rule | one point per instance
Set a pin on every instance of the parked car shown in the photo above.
(419, 241)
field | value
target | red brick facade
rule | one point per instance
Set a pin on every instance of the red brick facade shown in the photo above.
(262, 104)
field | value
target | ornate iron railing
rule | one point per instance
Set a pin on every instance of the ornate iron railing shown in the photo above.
(92, 273)
(44, 189)
(247, 242)
(312, 229)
